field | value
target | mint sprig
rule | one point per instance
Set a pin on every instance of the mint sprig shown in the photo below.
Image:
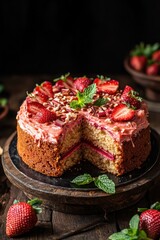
(85, 97)
(102, 182)
(131, 233)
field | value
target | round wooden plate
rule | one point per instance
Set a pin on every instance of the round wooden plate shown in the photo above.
(59, 194)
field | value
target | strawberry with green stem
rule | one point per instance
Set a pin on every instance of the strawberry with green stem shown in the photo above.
(22, 217)
(106, 85)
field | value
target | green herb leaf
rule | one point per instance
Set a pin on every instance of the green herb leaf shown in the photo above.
(155, 205)
(134, 223)
(84, 97)
(119, 236)
(3, 102)
(105, 184)
(83, 179)
(100, 101)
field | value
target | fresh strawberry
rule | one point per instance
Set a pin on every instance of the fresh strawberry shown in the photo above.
(138, 62)
(152, 69)
(131, 97)
(156, 55)
(22, 217)
(107, 86)
(122, 113)
(150, 223)
(40, 113)
(81, 83)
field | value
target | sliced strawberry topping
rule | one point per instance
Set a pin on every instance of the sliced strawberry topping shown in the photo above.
(47, 87)
(40, 113)
(131, 97)
(40, 95)
(81, 83)
(109, 87)
(122, 113)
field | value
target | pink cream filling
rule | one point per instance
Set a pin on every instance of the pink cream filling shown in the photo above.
(96, 149)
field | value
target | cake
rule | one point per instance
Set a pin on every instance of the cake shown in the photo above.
(83, 119)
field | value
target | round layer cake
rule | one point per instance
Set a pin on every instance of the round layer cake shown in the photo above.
(77, 119)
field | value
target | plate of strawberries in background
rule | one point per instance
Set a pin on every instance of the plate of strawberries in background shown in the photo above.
(143, 64)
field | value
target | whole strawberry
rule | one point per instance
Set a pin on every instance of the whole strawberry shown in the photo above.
(81, 83)
(22, 217)
(150, 223)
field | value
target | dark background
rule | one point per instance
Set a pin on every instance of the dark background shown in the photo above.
(86, 37)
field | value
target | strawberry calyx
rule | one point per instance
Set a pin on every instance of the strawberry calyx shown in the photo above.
(62, 77)
(145, 49)
(35, 203)
(155, 206)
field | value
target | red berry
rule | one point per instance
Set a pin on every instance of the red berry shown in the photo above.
(150, 223)
(108, 86)
(47, 88)
(138, 62)
(152, 69)
(21, 218)
(122, 113)
(131, 97)
(81, 83)
(40, 113)
(156, 55)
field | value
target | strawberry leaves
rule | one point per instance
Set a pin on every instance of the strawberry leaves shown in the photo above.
(84, 97)
(102, 182)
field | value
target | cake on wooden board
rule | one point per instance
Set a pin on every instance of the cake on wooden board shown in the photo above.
(76, 119)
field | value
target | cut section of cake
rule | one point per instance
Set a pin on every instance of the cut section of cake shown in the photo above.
(80, 119)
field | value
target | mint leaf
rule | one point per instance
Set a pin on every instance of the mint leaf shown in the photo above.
(83, 179)
(100, 101)
(105, 184)
(134, 223)
(89, 93)
(84, 97)
(119, 236)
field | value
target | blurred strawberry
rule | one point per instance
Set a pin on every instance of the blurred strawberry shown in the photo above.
(152, 69)
(122, 113)
(156, 55)
(22, 217)
(138, 62)
(40, 113)
(150, 223)
(131, 97)
(81, 83)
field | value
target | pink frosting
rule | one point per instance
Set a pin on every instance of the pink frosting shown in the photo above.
(120, 131)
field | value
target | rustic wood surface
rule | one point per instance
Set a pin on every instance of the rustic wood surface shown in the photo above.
(53, 224)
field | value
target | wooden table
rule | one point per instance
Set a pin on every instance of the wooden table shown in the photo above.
(52, 224)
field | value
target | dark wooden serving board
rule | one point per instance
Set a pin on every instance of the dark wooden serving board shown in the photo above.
(60, 195)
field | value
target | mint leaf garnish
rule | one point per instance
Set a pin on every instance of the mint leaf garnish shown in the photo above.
(102, 182)
(105, 184)
(85, 97)
(83, 179)
(100, 101)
